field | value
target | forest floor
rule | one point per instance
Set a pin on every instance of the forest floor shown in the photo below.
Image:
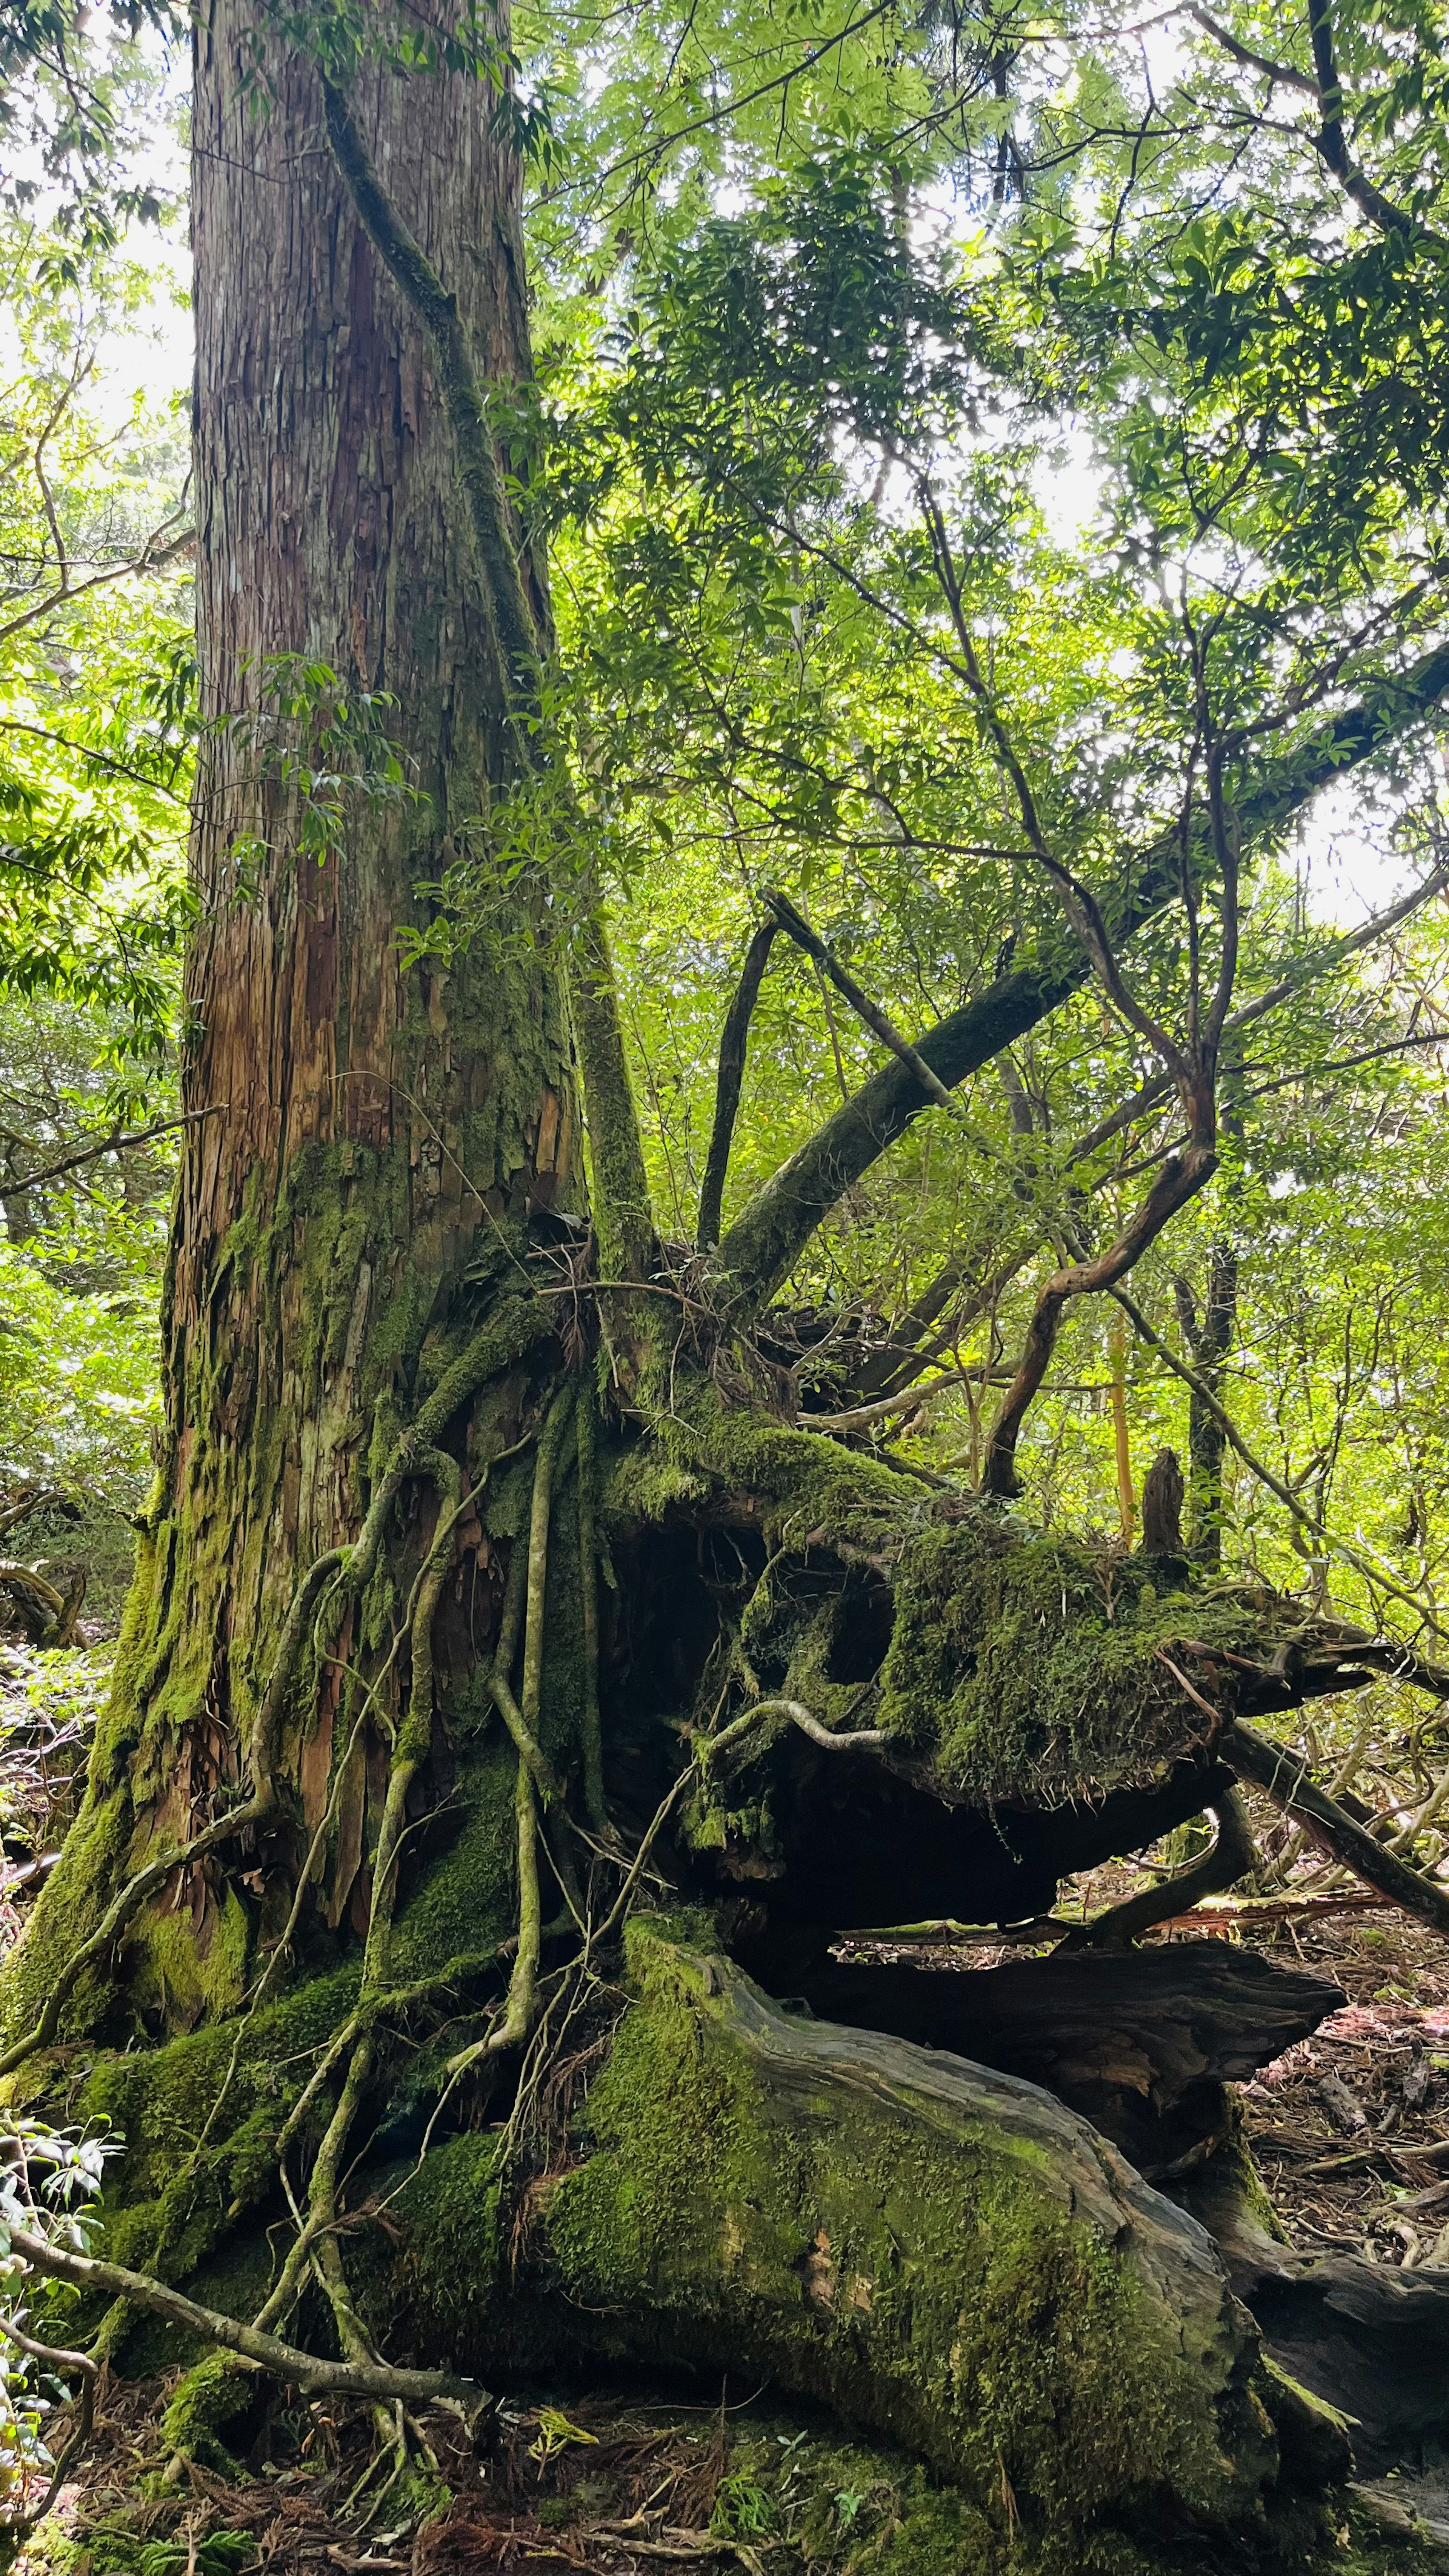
(1350, 2128)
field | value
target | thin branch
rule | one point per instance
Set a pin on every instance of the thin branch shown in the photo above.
(1322, 961)
(861, 1415)
(1191, 1377)
(732, 1048)
(653, 154)
(796, 927)
(115, 1144)
(97, 759)
(1274, 71)
(1178, 1181)
(152, 557)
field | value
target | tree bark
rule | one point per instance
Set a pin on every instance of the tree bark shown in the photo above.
(1209, 1338)
(382, 1136)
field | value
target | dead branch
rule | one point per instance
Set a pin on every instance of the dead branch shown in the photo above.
(1283, 1777)
(1230, 1857)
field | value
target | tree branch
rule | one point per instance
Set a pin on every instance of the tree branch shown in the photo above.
(1177, 1182)
(303, 2370)
(1228, 1858)
(733, 1043)
(1283, 1777)
(1191, 1377)
(773, 1229)
(796, 927)
(114, 1144)
(1273, 71)
(1329, 141)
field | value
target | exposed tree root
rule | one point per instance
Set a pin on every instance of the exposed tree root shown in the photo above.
(1227, 1860)
(304, 2370)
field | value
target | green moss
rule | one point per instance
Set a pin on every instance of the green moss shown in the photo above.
(842, 2505)
(892, 2267)
(213, 2397)
(793, 1483)
(67, 1911)
(171, 1975)
(452, 2263)
(1031, 1669)
(169, 2201)
(466, 1898)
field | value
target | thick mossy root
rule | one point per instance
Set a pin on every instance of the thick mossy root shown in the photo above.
(947, 2256)
(216, 2398)
(200, 2116)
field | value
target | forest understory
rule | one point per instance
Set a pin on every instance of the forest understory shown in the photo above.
(619, 2471)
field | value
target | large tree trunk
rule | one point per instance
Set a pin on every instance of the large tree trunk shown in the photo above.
(377, 1138)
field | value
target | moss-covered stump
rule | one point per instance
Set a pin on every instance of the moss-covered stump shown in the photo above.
(947, 2256)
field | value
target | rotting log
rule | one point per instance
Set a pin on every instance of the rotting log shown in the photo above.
(1142, 2044)
(949, 2256)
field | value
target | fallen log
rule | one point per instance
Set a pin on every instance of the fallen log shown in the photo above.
(1142, 2042)
(950, 2257)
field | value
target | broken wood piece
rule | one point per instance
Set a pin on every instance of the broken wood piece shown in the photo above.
(1354, 2160)
(1435, 2197)
(1340, 2103)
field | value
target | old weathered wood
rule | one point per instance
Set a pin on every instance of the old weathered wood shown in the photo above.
(379, 1134)
(1370, 2339)
(1141, 2041)
(947, 2253)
